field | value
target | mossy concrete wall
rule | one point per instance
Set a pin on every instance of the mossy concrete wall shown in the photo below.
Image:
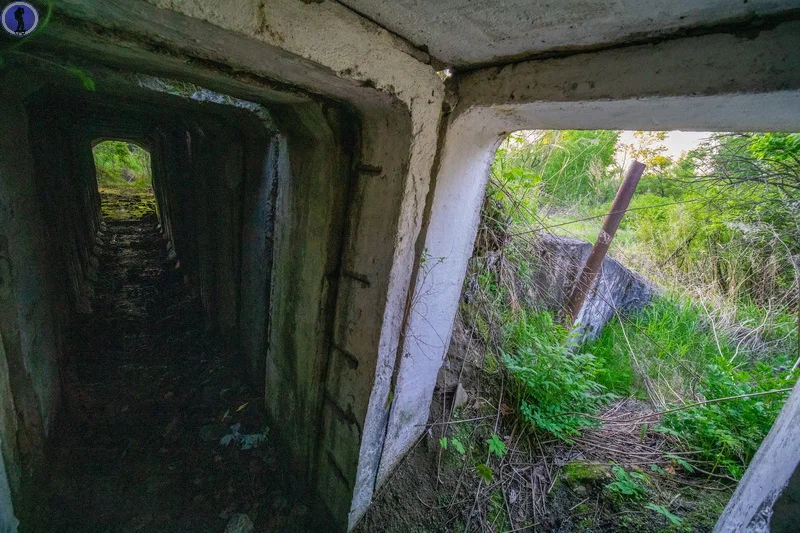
(31, 332)
(204, 153)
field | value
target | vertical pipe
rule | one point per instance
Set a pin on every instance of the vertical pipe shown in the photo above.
(593, 264)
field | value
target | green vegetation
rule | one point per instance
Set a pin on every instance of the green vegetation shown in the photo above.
(122, 165)
(555, 390)
(648, 426)
(676, 346)
(718, 231)
(631, 485)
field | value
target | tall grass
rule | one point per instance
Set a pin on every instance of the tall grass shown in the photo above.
(672, 353)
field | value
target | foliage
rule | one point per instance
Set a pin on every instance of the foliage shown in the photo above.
(556, 391)
(628, 484)
(727, 434)
(718, 230)
(444, 442)
(122, 164)
(676, 346)
(484, 472)
(663, 511)
(497, 446)
(571, 164)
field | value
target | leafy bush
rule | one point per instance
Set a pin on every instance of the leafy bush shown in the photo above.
(727, 434)
(628, 485)
(556, 390)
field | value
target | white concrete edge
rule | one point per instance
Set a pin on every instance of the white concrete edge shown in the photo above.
(8, 522)
(750, 507)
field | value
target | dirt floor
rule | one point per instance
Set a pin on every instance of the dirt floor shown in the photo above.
(149, 397)
(540, 485)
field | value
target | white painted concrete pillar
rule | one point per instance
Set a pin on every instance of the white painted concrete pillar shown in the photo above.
(750, 510)
(460, 186)
(8, 522)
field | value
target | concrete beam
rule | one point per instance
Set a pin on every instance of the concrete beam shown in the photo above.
(468, 34)
(662, 86)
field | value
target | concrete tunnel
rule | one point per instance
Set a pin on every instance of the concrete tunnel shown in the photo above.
(304, 156)
(223, 174)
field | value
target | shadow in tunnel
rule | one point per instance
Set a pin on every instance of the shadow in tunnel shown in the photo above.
(161, 430)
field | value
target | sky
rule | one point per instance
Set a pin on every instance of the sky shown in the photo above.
(677, 142)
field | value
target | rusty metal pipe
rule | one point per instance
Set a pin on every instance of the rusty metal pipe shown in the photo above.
(610, 225)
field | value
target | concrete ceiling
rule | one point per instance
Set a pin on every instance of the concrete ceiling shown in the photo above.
(471, 33)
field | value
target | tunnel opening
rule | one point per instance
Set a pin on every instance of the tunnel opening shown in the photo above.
(127, 200)
(158, 410)
(121, 165)
(159, 224)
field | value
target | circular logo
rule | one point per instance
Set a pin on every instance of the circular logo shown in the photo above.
(20, 19)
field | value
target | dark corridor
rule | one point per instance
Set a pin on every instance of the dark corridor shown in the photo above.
(161, 429)
(168, 346)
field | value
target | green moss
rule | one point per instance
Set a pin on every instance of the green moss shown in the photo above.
(581, 472)
(482, 326)
(583, 508)
(490, 363)
(705, 507)
(497, 511)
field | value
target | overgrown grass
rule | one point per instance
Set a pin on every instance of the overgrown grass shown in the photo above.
(672, 353)
(554, 389)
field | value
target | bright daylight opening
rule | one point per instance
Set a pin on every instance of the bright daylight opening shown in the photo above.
(648, 411)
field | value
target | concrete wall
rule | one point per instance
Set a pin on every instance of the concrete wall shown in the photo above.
(770, 480)
(557, 263)
(352, 282)
(30, 332)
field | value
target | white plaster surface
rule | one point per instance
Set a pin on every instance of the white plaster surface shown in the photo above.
(750, 508)
(460, 187)
(8, 522)
(466, 33)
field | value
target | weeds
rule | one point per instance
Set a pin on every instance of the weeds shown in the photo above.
(121, 164)
(725, 326)
(556, 391)
(628, 485)
(727, 434)
(687, 360)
